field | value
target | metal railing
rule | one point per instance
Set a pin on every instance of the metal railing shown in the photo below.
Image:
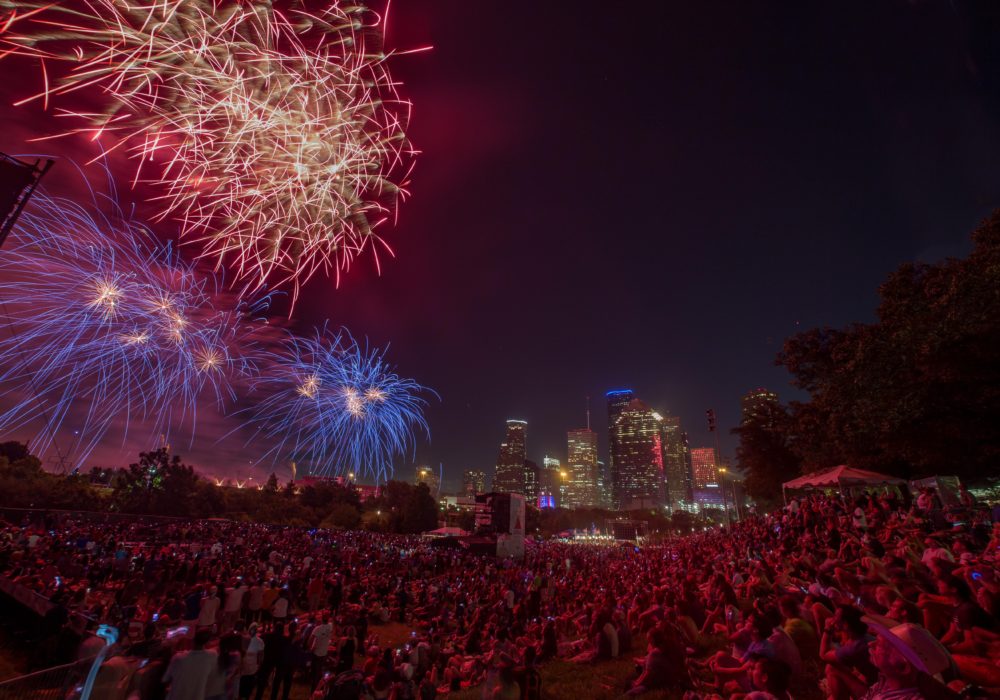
(57, 683)
(73, 681)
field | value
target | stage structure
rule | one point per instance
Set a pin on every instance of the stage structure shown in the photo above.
(500, 517)
(18, 181)
(627, 530)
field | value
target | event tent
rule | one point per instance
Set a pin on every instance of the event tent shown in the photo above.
(839, 477)
(447, 532)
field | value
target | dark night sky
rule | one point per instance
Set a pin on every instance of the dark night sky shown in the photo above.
(654, 195)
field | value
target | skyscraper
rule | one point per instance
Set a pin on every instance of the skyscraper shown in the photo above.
(636, 456)
(531, 476)
(473, 482)
(617, 399)
(758, 407)
(675, 460)
(424, 474)
(549, 483)
(704, 467)
(509, 477)
(582, 477)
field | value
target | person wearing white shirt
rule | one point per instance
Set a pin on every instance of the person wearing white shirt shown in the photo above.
(319, 646)
(279, 610)
(209, 608)
(188, 671)
(251, 662)
(233, 604)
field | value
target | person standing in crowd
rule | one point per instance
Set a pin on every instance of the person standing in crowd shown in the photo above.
(188, 672)
(319, 647)
(255, 601)
(223, 679)
(253, 648)
(280, 607)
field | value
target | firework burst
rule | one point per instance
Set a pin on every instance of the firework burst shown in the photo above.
(337, 407)
(277, 138)
(107, 327)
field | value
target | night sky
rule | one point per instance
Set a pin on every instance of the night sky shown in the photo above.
(653, 195)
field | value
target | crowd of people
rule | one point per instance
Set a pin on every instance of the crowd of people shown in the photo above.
(869, 596)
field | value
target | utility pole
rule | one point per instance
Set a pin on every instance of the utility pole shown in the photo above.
(710, 416)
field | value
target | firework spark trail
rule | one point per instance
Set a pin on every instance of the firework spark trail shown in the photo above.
(337, 407)
(107, 326)
(278, 138)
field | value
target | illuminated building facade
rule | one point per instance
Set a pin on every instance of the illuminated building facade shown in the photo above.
(582, 474)
(704, 467)
(758, 408)
(424, 474)
(509, 476)
(473, 482)
(636, 456)
(550, 493)
(531, 477)
(617, 399)
(676, 465)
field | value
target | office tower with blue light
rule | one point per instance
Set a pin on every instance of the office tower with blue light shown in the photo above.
(636, 450)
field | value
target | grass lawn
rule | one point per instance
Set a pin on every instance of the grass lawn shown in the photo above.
(607, 680)
(563, 680)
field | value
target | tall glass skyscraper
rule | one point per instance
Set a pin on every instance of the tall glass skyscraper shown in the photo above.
(618, 399)
(636, 455)
(582, 475)
(509, 477)
(675, 461)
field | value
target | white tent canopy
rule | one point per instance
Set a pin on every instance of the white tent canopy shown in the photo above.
(839, 477)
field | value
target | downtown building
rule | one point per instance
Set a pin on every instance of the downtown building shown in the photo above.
(705, 465)
(509, 476)
(551, 491)
(617, 400)
(583, 477)
(636, 447)
(676, 462)
(473, 482)
(423, 474)
(532, 474)
(758, 407)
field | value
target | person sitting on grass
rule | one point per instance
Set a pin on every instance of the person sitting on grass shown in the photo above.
(770, 679)
(662, 667)
(731, 674)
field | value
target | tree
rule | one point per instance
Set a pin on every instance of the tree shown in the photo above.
(682, 521)
(765, 453)
(158, 484)
(271, 486)
(409, 509)
(918, 391)
(14, 451)
(342, 515)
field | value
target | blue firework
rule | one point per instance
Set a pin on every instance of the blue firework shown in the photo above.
(106, 328)
(337, 407)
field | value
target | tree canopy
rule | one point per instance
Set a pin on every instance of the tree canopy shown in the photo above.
(918, 391)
